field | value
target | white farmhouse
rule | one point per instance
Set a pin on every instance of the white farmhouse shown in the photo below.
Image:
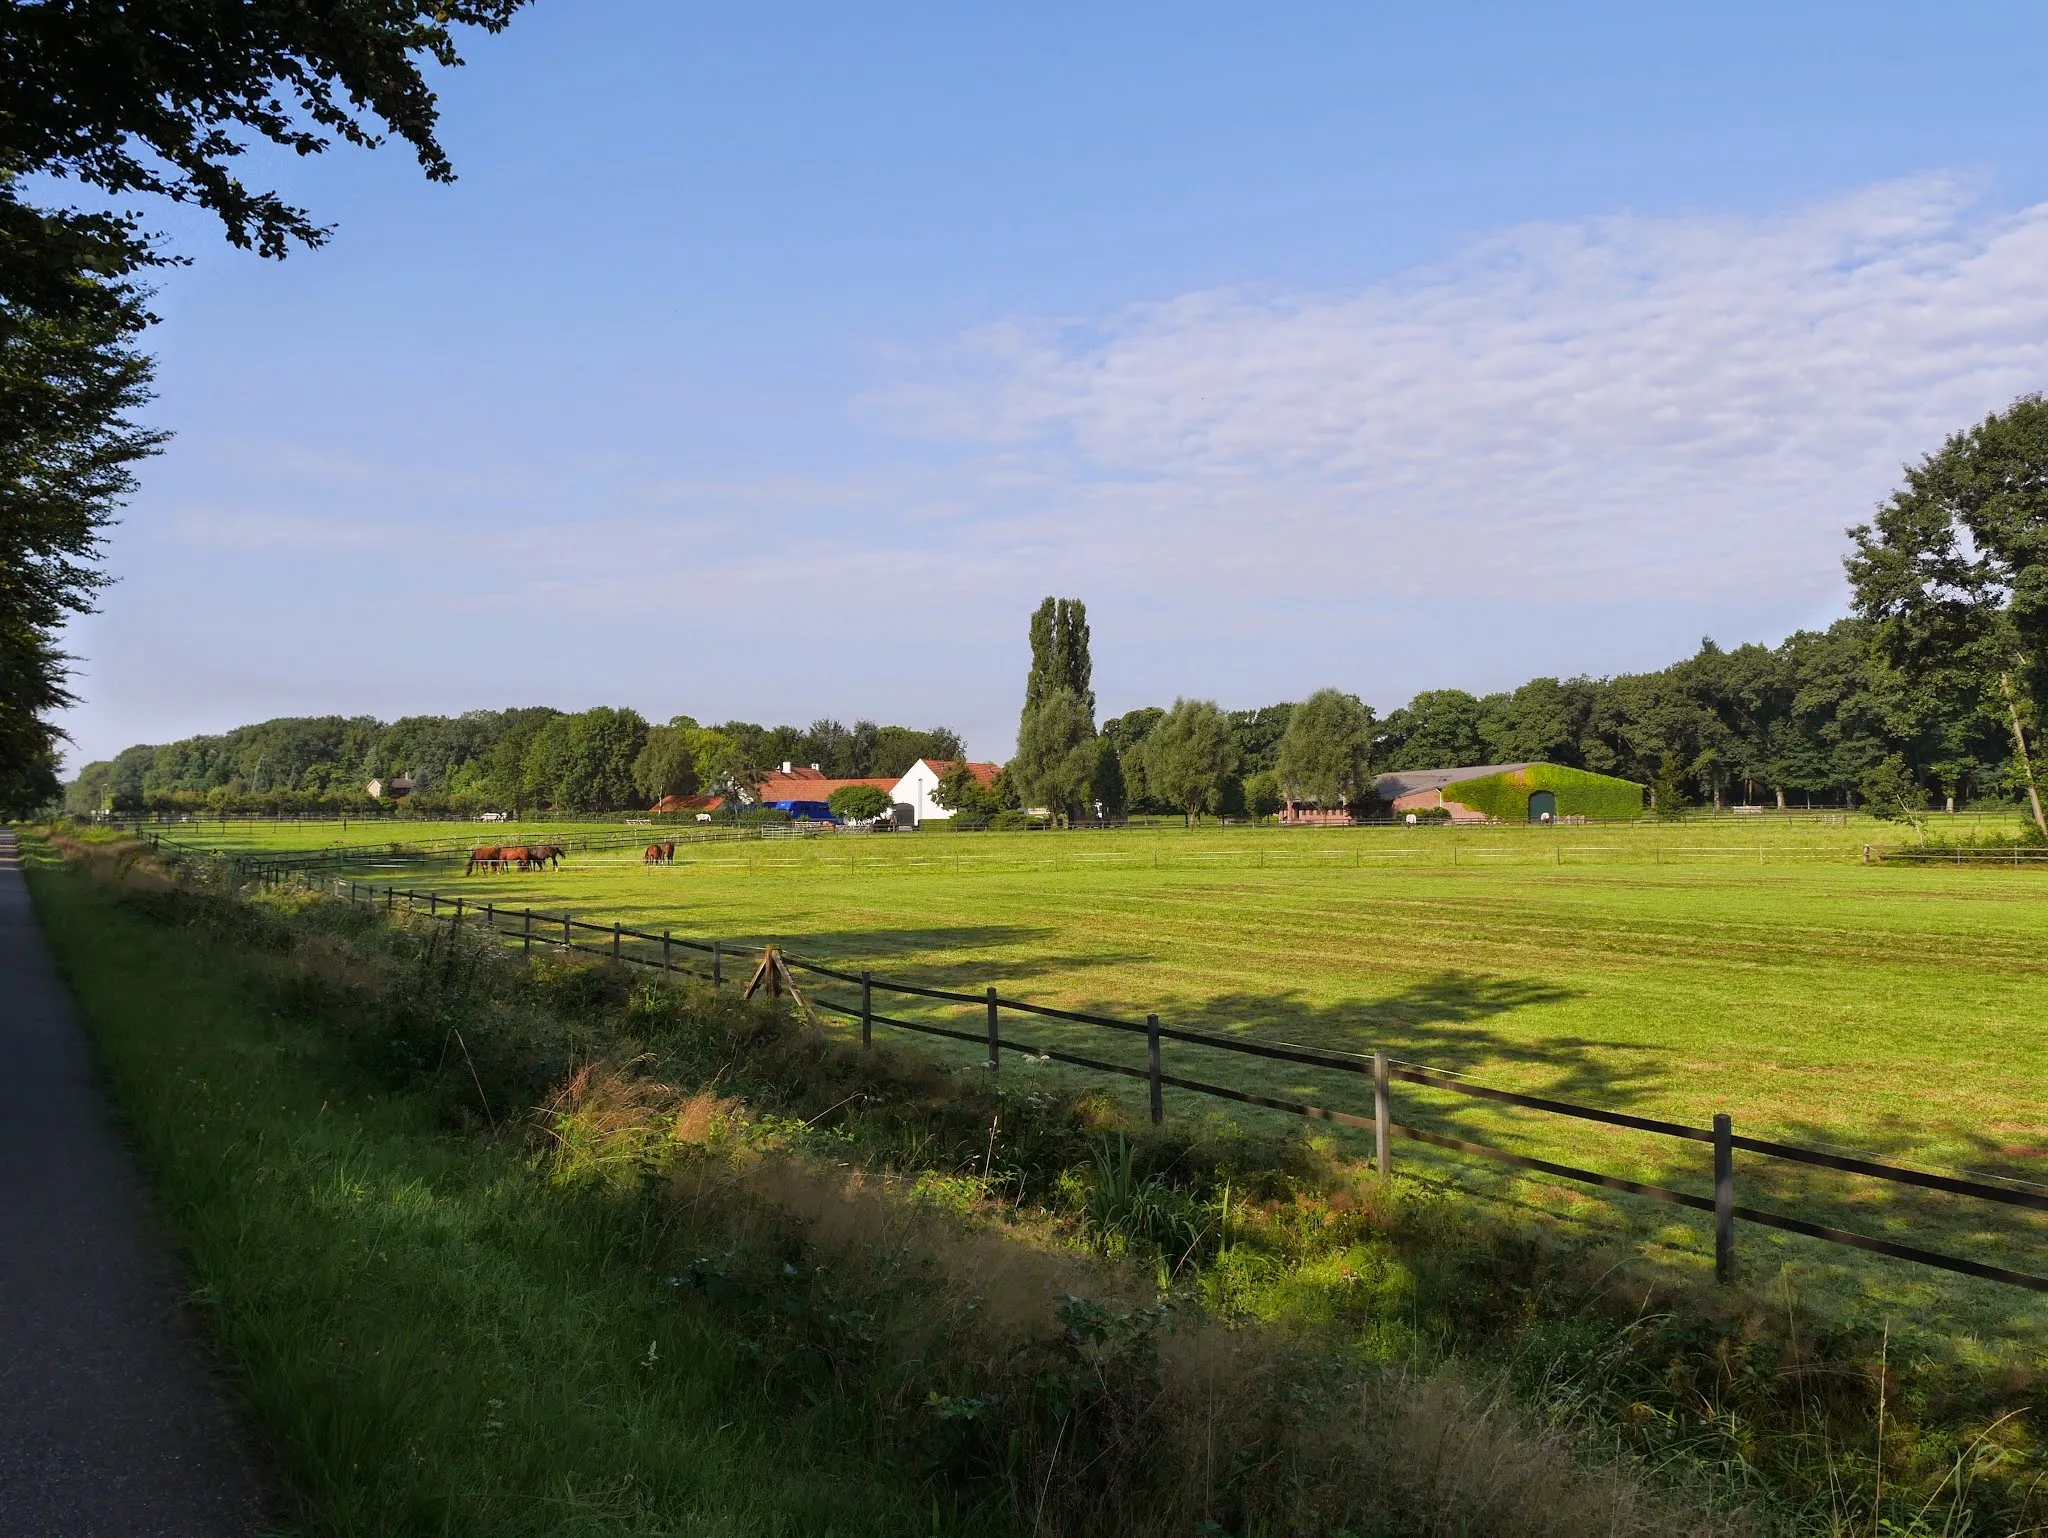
(915, 789)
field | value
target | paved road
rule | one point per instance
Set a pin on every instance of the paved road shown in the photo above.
(109, 1422)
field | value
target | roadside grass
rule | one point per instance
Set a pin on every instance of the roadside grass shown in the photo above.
(425, 1339)
(1890, 1011)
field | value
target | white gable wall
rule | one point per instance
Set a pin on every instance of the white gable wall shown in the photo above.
(915, 789)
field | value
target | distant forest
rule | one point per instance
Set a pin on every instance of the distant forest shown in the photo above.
(1819, 720)
(600, 760)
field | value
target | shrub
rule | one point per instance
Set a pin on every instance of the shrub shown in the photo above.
(1579, 792)
(859, 803)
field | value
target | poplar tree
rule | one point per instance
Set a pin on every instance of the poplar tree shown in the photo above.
(1059, 654)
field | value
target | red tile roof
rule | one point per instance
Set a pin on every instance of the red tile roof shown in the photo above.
(810, 785)
(984, 774)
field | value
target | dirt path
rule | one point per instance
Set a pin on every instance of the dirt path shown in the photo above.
(109, 1422)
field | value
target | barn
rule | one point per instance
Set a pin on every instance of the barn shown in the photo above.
(1526, 792)
(922, 778)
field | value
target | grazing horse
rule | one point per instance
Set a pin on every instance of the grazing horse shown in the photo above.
(668, 852)
(487, 858)
(514, 855)
(543, 855)
(653, 855)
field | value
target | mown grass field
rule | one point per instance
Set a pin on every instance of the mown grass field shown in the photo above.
(1676, 971)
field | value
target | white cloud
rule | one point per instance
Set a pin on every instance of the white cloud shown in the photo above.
(1623, 407)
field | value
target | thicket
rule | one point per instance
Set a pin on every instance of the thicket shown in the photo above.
(1127, 1330)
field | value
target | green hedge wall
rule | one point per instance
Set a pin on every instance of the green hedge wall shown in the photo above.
(1579, 792)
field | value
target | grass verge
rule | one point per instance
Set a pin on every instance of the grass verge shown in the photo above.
(426, 1338)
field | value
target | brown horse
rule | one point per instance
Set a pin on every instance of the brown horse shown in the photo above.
(652, 856)
(511, 855)
(540, 856)
(668, 852)
(487, 858)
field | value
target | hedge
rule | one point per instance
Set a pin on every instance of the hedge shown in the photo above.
(1579, 792)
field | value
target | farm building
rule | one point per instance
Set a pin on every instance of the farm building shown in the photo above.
(915, 789)
(688, 804)
(1532, 792)
(806, 791)
(397, 788)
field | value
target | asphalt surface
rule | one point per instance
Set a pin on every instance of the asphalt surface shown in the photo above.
(109, 1421)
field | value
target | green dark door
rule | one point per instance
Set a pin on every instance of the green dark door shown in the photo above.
(1542, 804)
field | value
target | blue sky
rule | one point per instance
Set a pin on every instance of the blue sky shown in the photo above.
(775, 361)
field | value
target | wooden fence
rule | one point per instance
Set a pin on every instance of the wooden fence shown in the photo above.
(528, 928)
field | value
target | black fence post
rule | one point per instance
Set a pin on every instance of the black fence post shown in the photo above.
(567, 943)
(615, 939)
(1152, 1069)
(526, 940)
(458, 913)
(1724, 1198)
(717, 964)
(433, 905)
(665, 964)
(995, 1042)
(1382, 1116)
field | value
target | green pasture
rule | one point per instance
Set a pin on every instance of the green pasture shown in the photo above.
(1675, 970)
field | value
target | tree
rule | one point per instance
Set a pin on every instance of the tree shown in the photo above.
(156, 96)
(859, 803)
(1438, 729)
(1953, 571)
(1325, 755)
(69, 377)
(960, 790)
(1059, 654)
(667, 765)
(726, 768)
(1056, 760)
(1189, 756)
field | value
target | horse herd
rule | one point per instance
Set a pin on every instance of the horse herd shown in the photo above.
(660, 854)
(520, 857)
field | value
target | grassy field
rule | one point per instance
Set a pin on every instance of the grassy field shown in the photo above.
(1756, 967)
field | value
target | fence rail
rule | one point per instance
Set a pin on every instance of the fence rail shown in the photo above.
(560, 931)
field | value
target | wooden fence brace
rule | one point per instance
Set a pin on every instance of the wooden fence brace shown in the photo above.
(666, 966)
(1152, 1069)
(867, 1011)
(1382, 1116)
(995, 1048)
(1724, 1198)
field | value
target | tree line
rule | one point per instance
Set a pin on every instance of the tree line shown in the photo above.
(604, 759)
